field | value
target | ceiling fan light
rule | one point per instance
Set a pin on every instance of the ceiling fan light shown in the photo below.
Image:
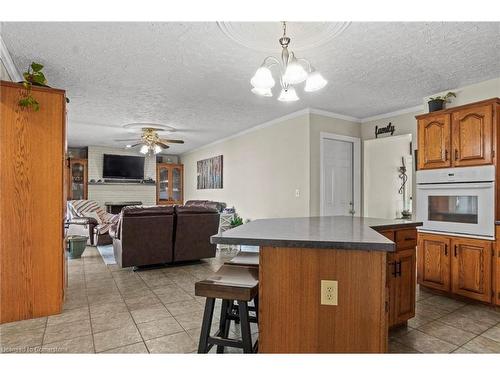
(128, 146)
(315, 82)
(157, 149)
(288, 95)
(294, 73)
(263, 79)
(144, 149)
(262, 92)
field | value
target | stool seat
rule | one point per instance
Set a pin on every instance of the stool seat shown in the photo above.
(245, 258)
(230, 282)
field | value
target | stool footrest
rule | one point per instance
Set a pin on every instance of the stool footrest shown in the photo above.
(213, 340)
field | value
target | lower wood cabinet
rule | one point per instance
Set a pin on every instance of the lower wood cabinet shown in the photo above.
(459, 265)
(471, 268)
(434, 261)
(496, 268)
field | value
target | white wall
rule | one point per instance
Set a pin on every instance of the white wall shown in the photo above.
(119, 192)
(262, 169)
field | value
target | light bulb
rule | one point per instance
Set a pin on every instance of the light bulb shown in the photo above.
(288, 95)
(262, 79)
(144, 149)
(262, 92)
(157, 149)
(294, 73)
(315, 81)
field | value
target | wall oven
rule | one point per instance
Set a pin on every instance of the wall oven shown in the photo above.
(457, 200)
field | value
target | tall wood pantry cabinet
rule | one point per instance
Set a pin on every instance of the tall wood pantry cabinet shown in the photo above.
(32, 203)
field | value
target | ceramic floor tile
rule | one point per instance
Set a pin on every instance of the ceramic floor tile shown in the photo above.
(23, 325)
(447, 333)
(425, 343)
(105, 322)
(179, 308)
(113, 307)
(397, 347)
(141, 302)
(138, 348)
(68, 316)
(175, 343)
(82, 344)
(483, 344)
(493, 333)
(443, 303)
(116, 338)
(158, 328)
(465, 323)
(400, 331)
(64, 331)
(480, 313)
(20, 341)
(148, 314)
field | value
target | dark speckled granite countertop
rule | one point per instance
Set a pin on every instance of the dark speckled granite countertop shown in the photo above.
(326, 232)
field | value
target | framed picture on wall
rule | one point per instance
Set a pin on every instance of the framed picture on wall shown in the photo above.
(209, 173)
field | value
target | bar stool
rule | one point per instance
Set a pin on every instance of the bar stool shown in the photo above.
(230, 283)
(245, 258)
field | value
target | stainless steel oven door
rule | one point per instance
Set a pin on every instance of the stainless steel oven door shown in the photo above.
(461, 208)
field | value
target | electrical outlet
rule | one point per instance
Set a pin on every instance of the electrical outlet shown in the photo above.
(297, 193)
(329, 292)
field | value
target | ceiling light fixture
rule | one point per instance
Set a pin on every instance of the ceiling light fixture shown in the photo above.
(292, 71)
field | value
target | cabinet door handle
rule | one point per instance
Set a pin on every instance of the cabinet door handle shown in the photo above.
(394, 271)
(456, 154)
(398, 269)
(446, 250)
(445, 155)
(455, 251)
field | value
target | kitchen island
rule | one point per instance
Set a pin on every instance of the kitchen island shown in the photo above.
(322, 281)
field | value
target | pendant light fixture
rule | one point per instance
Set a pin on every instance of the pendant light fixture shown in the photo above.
(292, 71)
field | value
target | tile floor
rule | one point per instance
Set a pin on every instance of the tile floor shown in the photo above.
(113, 310)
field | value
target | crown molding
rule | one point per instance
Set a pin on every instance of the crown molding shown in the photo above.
(322, 112)
(9, 63)
(418, 108)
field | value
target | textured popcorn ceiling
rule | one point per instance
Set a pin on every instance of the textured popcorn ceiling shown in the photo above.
(195, 77)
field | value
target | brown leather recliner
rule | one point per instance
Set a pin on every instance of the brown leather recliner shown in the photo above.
(194, 226)
(144, 236)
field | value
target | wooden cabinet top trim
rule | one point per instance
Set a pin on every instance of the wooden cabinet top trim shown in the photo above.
(453, 109)
(33, 88)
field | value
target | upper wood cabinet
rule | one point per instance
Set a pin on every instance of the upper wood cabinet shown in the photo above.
(434, 261)
(169, 183)
(458, 137)
(472, 133)
(471, 268)
(434, 142)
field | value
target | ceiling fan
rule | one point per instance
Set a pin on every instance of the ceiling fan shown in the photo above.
(150, 141)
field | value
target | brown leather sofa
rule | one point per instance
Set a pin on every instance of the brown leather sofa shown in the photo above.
(149, 235)
(193, 228)
(143, 235)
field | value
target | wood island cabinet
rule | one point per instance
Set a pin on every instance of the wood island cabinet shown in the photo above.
(496, 268)
(401, 276)
(458, 265)
(458, 137)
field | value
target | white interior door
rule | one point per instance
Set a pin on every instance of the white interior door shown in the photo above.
(338, 192)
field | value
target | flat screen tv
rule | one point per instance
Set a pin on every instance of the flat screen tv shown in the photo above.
(121, 166)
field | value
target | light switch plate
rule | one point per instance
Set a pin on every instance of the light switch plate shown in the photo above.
(329, 292)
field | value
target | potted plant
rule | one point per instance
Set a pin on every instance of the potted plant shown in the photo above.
(34, 76)
(437, 103)
(236, 221)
